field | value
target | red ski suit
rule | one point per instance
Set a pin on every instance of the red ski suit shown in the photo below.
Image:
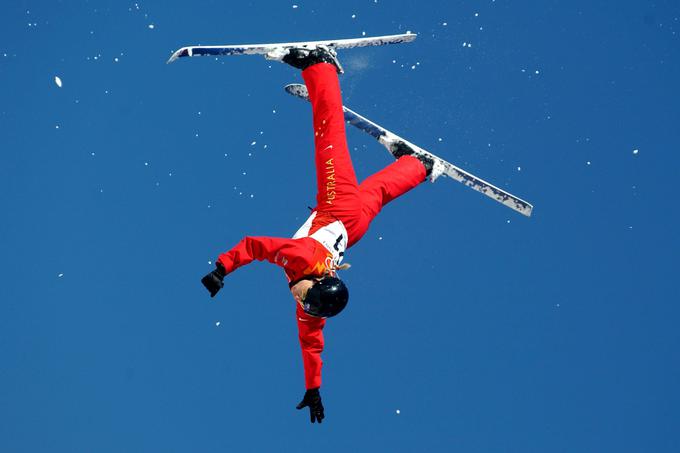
(342, 215)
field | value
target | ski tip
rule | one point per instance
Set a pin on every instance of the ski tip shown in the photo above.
(297, 90)
(183, 52)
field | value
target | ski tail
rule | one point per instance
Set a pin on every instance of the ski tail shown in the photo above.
(388, 138)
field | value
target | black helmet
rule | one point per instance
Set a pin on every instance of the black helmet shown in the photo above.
(326, 298)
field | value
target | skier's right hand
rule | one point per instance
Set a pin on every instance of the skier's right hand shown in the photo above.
(214, 281)
(312, 399)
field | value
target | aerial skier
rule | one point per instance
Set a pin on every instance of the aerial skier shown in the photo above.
(312, 258)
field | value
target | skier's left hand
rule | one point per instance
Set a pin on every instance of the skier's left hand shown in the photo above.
(312, 399)
(214, 280)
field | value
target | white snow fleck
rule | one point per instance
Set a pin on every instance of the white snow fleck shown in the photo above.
(354, 16)
(60, 275)
(588, 163)
(56, 127)
(253, 143)
(398, 411)
(273, 111)
(469, 44)
(295, 6)
(413, 67)
(265, 147)
(444, 24)
(115, 60)
(217, 324)
(209, 262)
(151, 26)
(252, 196)
(465, 44)
(380, 238)
(537, 71)
(394, 61)
(363, 33)
(439, 139)
(635, 151)
(519, 168)
(91, 154)
(476, 14)
(57, 80)
(507, 221)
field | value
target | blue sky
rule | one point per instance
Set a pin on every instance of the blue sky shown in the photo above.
(486, 330)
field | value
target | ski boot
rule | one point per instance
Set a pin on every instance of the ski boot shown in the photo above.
(433, 167)
(302, 57)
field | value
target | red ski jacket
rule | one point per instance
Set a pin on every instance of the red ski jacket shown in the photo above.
(316, 249)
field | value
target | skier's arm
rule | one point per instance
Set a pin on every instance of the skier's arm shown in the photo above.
(252, 248)
(310, 333)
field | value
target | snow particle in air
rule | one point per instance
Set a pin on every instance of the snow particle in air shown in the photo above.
(398, 411)
(57, 80)
(380, 238)
(56, 127)
(588, 163)
(519, 168)
(151, 26)
(413, 67)
(444, 24)
(295, 6)
(146, 164)
(476, 14)
(253, 143)
(354, 16)
(464, 44)
(273, 111)
(60, 275)
(217, 324)
(537, 71)
(115, 60)
(635, 151)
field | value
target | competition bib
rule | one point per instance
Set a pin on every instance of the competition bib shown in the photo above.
(332, 236)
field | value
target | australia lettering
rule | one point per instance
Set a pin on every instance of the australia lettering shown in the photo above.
(330, 181)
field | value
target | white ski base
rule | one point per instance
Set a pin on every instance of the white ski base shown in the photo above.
(274, 48)
(388, 139)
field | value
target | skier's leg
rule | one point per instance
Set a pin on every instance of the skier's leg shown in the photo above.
(384, 186)
(337, 186)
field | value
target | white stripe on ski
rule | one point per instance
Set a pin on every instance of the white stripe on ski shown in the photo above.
(387, 138)
(263, 49)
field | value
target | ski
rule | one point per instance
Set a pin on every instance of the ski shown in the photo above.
(389, 140)
(277, 50)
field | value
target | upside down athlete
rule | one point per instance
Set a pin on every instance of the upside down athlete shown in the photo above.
(343, 213)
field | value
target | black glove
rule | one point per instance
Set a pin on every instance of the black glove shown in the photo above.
(312, 400)
(214, 280)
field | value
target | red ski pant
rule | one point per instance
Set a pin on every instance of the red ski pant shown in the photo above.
(338, 191)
